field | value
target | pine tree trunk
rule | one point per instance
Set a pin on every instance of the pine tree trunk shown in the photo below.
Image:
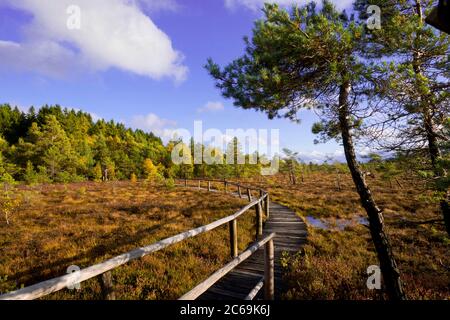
(432, 138)
(434, 151)
(435, 154)
(391, 274)
(445, 208)
(428, 123)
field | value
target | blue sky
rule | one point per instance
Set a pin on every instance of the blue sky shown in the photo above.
(138, 62)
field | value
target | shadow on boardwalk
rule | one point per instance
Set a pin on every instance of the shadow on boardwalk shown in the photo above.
(291, 233)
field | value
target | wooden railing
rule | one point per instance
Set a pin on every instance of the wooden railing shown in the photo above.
(103, 269)
(242, 191)
(268, 272)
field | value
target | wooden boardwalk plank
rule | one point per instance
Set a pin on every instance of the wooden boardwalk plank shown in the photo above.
(291, 236)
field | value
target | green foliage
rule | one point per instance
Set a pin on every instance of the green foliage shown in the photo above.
(9, 201)
(7, 285)
(6, 179)
(151, 171)
(63, 145)
(42, 175)
(60, 145)
(169, 183)
(30, 176)
(289, 66)
(97, 173)
(408, 53)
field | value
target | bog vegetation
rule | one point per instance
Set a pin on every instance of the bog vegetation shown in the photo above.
(385, 89)
(333, 265)
(86, 223)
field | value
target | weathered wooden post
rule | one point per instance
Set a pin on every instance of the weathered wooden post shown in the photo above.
(185, 182)
(209, 185)
(226, 186)
(267, 207)
(249, 194)
(239, 191)
(269, 271)
(199, 184)
(233, 238)
(106, 285)
(259, 221)
(263, 203)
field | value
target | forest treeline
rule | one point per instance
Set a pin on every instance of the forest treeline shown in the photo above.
(64, 145)
(53, 144)
(61, 145)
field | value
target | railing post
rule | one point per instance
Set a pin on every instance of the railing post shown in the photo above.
(209, 185)
(249, 194)
(106, 284)
(259, 221)
(269, 271)
(233, 238)
(239, 191)
(267, 206)
(264, 202)
(199, 184)
(226, 186)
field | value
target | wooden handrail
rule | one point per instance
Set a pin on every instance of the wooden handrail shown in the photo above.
(262, 205)
(252, 295)
(232, 183)
(269, 272)
(45, 288)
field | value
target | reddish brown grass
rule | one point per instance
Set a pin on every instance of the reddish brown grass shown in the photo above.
(82, 224)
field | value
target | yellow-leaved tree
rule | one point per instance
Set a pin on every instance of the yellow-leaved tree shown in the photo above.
(151, 171)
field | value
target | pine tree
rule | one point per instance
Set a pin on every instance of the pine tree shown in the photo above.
(56, 150)
(235, 159)
(2, 163)
(416, 89)
(304, 59)
(97, 173)
(291, 163)
(7, 168)
(8, 201)
(30, 176)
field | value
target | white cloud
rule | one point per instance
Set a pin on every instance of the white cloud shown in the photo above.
(113, 34)
(257, 4)
(316, 156)
(212, 107)
(152, 122)
(337, 155)
(163, 128)
(95, 116)
(43, 57)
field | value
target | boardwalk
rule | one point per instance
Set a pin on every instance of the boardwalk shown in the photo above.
(248, 268)
(291, 235)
